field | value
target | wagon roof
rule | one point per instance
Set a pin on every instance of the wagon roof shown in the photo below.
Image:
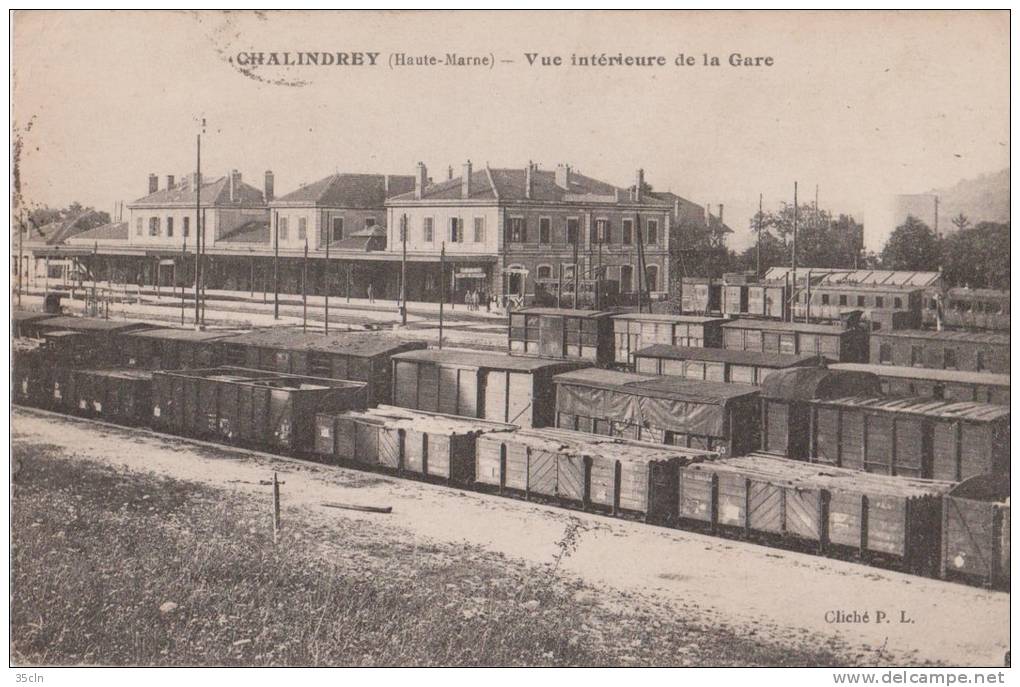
(420, 420)
(243, 375)
(990, 488)
(565, 312)
(934, 374)
(813, 476)
(121, 373)
(613, 448)
(926, 406)
(82, 324)
(806, 383)
(666, 317)
(28, 315)
(955, 336)
(487, 360)
(775, 325)
(177, 334)
(660, 386)
(359, 344)
(726, 355)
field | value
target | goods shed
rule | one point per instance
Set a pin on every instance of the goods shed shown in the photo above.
(663, 410)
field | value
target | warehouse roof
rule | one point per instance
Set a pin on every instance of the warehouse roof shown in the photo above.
(927, 373)
(655, 385)
(954, 336)
(923, 405)
(806, 383)
(854, 277)
(486, 360)
(776, 325)
(666, 317)
(726, 355)
(82, 324)
(360, 344)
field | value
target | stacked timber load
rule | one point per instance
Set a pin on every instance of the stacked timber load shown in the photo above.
(890, 517)
(975, 530)
(591, 471)
(404, 440)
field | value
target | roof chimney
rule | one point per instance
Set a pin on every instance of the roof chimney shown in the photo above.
(529, 180)
(465, 181)
(720, 213)
(235, 185)
(270, 186)
(169, 181)
(639, 185)
(449, 173)
(563, 176)
(420, 180)
(153, 183)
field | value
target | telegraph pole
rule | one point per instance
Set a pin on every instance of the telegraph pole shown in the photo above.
(184, 261)
(403, 270)
(761, 196)
(276, 265)
(577, 268)
(198, 221)
(326, 272)
(794, 258)
(442, 289)
(304, 290)
(21, 250)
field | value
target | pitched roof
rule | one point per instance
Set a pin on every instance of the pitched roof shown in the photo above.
(659, 386)
(924, 405)
(928, 373)
(115, 231)
(214, 193)
(510, 185)
(56, 232)
(807, 383)
(348, 191)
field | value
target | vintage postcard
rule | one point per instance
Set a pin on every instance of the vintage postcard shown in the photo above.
(511, 339)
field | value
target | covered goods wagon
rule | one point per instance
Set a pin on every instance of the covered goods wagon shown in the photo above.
(834, 342)
(947, 350)
(700, 295)
(251, 407)
(951, 385)
(888, 517)
(172, 348)
(975, 530)
(717, 364)
(562, 333)
(664, 410)
(634, 331)
(356, 356)
(491, 386)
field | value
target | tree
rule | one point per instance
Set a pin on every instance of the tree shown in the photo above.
(912, 246)
(977, 256)
(961, 221)
(821, 240)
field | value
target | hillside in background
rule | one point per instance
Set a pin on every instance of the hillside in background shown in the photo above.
(983, 199)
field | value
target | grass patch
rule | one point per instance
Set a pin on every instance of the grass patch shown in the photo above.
(126, 569)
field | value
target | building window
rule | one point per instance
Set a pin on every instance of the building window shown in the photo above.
(456, 230)
(825, 299)
(980, 362)
(653, 231)
(879, 302)
(602, 231)
(479, 230)
(860, 301)
(626, 278)
(336, 230)
(628, 231)
(302, 229)
(138, 226)
(369, 222)
(573, 230)
(652, 277)
(567, 271)
(154, 226)
(916, 356)
(518, 231)
(842, 299)
(281, 228)
(949, 358)
(426, 230)
(885, 353)
(187, 226)
(545, 230)
(897, 303)
(170, 227)
(545, 271)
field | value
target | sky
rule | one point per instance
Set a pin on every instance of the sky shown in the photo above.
(862, 105)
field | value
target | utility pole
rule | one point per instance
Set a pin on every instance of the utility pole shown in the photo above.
(326, 272)
(598, 277)
(304, 290)
(276, 265)
(761, 197)
(348, 282)
(184, 261)
(442, 289)
(559, 287)
(403, 270)
(642, 276)
(577, 268)
(198, 220)
(937, 218)
(796, 211)
(21, 250)
(205, 261)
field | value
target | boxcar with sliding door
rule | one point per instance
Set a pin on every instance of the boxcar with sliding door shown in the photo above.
(951, 385)
(717, 364)
(634, 331)
(562, 333)
(836, 343)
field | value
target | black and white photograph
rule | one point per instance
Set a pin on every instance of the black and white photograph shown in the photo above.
(510, 339)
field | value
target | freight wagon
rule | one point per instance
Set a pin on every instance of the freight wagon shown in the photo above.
(700, 296)
(915, 436)
(717, 364)
(785, 398)
(24, 323)
(98, 339)
(120, 396)
(946, 350)
(562, 333)
(491, 386)
(356, 356)
(405, 441)
(951, 385)
(662, 410)
(966, 308)
(833, 342)
(615, 475)
(251, 407)
(975, 530)
(892, 518)
(172, 348)
(634, 331)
